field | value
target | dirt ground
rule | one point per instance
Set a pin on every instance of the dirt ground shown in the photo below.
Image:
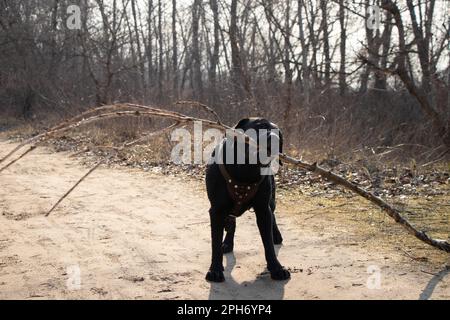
(129, 234)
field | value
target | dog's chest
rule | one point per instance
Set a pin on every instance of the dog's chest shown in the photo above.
(240, 193)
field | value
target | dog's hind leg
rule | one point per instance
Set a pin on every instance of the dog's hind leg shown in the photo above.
(215, 273)
(230, 228)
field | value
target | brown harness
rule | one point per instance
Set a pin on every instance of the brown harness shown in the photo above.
(241, 193)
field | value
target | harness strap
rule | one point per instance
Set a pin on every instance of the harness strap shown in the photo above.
(241, 193)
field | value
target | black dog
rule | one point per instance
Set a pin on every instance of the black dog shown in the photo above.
(234, 188)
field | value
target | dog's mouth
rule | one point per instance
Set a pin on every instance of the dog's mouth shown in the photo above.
(238, 150)
(272, 148)
(266, 151)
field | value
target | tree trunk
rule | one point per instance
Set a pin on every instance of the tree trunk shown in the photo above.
(423, 44)
(241, 83)
(53, 42)
(175, 49)
(287, 60)
(313, 44)
(326, 43)
(342, 75)
(442, 125)
(271, 59)
(215, 55)
(305, 67)
(161, 53)
(196, 59)
(137, 86)
(150, 44)
(380, 77)
(140, 62)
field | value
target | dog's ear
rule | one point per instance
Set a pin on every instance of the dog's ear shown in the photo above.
(242, 123)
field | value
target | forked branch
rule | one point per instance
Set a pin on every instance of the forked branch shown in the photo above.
(132, 110)
(390, 210)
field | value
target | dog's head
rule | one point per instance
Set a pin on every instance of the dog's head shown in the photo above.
(268, 137)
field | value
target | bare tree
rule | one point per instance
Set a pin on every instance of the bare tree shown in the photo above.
(237, 53)
(150, 43)
(442, 125)
(304, 48)
(174, 49)
(241, 81)
(143, 85)
(196, 57)
(343, 42)
(215, 55)
(287, 59)
(326, 43)
(161, 52)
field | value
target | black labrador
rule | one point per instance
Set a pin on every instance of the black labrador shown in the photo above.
(234, 188)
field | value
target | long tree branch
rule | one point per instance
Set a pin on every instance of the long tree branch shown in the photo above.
(180, 119)
(20, 157)
(391, 211)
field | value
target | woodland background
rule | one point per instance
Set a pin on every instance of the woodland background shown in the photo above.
(337, 85)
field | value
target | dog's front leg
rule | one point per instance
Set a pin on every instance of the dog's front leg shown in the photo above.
(215, 272)
(264, 219)
(230, 228)
(277, 238)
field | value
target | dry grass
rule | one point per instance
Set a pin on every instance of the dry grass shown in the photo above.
(355, 221)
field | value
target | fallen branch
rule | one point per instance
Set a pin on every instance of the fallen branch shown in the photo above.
(181, 119)
(87, 117)
(391, 211)
(73, 187)
(149, 112)
(129, 144)
(47, 134)
(15, 160)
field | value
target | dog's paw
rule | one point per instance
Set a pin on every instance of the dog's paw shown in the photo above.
(280, 274)
(227, 248)
(277, 238)
(215, 276)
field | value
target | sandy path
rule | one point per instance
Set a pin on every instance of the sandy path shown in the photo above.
(132, 234)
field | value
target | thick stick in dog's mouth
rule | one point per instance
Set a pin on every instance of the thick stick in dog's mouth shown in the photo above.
(89, 117)
(391, 211)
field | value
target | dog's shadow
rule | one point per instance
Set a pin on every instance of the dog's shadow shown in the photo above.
(427, 292)
(263, 287)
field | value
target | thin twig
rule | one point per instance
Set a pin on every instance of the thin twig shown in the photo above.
(439, 158)
(431, 273)
(201, 105)
(14, 161)
(131, 143)
(74, 186)
(149, 135)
